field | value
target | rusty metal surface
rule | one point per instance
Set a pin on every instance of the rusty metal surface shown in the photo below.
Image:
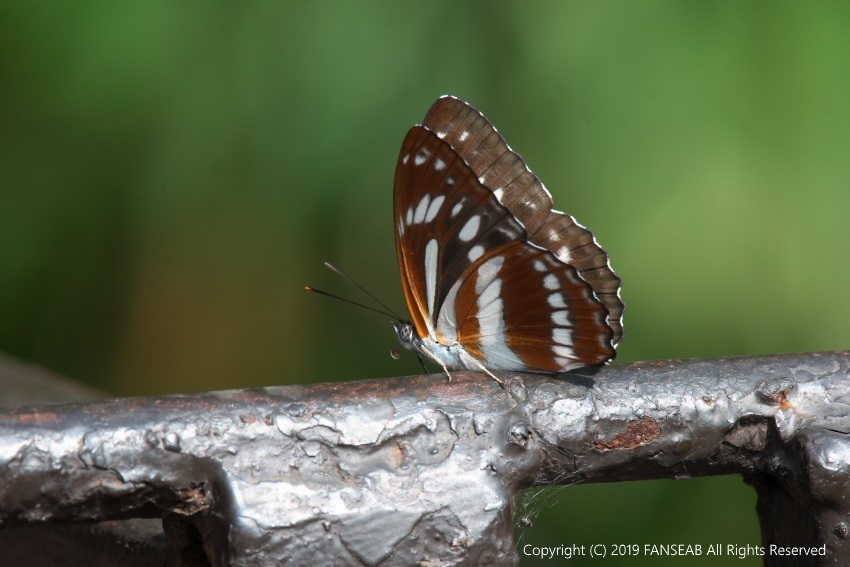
(782, 421)
(133, 542)
(403, 470)
(692, 417)
(383, 470)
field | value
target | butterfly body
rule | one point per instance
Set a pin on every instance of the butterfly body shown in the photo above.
(451, 355)
(494, 279)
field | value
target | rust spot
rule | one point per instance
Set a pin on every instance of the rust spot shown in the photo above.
(396, 455)
(781, 398)
(636, 434)
(38, 416)
(776, 392)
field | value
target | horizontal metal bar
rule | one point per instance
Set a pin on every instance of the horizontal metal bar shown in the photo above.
(404, 470)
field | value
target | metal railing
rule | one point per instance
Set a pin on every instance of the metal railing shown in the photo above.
(399, 471)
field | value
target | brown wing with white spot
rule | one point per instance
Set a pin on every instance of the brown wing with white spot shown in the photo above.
(521, 308)
(444, 220)
(505, 173)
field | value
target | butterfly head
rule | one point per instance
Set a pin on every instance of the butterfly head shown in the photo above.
(405, 333)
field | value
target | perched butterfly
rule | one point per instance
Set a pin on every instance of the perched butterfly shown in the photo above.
(494, 279)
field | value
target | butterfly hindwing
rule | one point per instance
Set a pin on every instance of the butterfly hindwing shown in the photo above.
(520, 307)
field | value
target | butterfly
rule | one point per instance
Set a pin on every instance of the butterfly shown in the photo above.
(493, 277)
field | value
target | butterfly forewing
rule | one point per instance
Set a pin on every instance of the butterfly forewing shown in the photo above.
(524, 195)
(471, 275)
(445, 220)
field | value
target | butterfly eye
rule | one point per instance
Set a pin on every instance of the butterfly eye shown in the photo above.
(404, 332)
(395, 353)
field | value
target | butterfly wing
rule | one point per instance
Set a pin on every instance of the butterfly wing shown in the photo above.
(470, 272)
(520, 308)
(444, 220)
(523, 194)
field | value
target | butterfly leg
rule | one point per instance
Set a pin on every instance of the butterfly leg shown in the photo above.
(446, 370)
(484, 369)
(434, 357)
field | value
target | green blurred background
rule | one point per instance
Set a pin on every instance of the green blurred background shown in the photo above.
(173, 174)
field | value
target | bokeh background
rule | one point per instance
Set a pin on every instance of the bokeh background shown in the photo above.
(173, 173)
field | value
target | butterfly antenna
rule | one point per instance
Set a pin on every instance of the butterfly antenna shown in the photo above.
(308, 288)
(361, 288)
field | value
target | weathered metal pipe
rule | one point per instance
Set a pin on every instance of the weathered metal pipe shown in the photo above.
(398, 471)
